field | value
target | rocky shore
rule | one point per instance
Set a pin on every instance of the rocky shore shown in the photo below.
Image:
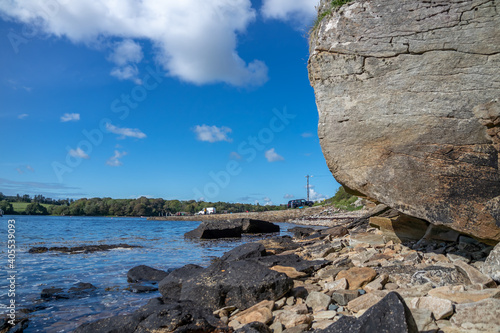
(347, 278)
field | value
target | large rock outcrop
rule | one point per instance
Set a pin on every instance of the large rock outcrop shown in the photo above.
(407, 93)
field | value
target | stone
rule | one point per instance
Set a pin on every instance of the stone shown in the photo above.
(340, 284)
(366, 238)
(390, 314)
(318, 301)
(253, 226)
(245, 251)
(391, 286)
(254, 327)
(377, 284)
(291, 319)
(399, 121)
(474, 275)
(491, 265)
(276, 327)
(279, 245)
(261, 312)
(437, 275)
(357, 277)
(321, 324)
(297, 329)
(289, 271)
(215, 230)
(240, 283)
(83, 248)
(440, 308)
(322, 315)
(482, 316)
(139, 288)
(301, 232)
(400, 228)
(78, 290)
(342, 297)
(424, 320)
(170, 286)
(145, 273)
(291, 260)
(335, 232)
(459, 295)
(366, 301)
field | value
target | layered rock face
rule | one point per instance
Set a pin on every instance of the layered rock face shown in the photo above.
(407, 93)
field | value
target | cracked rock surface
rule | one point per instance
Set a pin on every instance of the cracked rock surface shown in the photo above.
(407, 93)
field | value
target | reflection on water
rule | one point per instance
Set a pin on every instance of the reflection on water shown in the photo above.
(163, 247)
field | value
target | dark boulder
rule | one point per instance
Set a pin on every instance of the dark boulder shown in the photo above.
(170, 286)
(216, 229)
(390, 315)
(159, 316)
(252, 226)
(254, 327)
(141, 288)
(300, 232)
(245, 251)
(54, 293)
(82, 288)
(78, 290)
(237, 283)
(82, 249)
(145, 273)
(38, 249)
(335, 232)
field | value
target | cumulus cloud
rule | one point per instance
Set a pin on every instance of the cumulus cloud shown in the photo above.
(22, 116)
(30, 168)
(303, 11)
(114, 160)
(212, 133)
(78, 153)
(315, 196)
(268, 201)
(194, 40)
(272, 156)
(70, 117)
(125, 132)
(288, 196)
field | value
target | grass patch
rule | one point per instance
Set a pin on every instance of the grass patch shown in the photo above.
(334, 4)
(20, 207)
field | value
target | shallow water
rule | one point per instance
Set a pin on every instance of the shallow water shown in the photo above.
(163, 247)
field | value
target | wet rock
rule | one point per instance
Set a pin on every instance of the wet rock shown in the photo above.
(254, 327)
(245, 251)
(19, 325)
(240, 283)
(39, 249)
(292, 260)
(388, 315)
(215, 230)
(318, 301)
(301, 232)
(83, 248)
(141, 288)
(481, 316)
(474, 275)
(342, 297)
(170, 286)
(278, 245)
(77, 291)
(145, 273)
(491, 265)
(357, 277)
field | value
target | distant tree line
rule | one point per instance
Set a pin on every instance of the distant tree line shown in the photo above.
(124, 207)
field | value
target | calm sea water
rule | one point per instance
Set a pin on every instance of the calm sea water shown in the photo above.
(163, 247)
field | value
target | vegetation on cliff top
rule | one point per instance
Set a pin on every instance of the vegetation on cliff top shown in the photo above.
(334, 4)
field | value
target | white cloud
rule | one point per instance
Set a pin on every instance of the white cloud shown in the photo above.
(125, 132)
(303, 11)
(114, 160)
(315, 196)
(272, 156)
(125, 55)
(19, 171)
(79, 153)
(194, 40)
(30, 168)
(70, 117)
(307, 135)
(212, 133)
(22, 116)
(268, 201)
(288, 196)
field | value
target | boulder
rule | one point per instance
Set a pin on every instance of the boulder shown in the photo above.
(254, 327)
(474, 275)
(145, 273)
(481, 316)
(459, 295)
(291, 319)
(357, 277)
(318, 301)
(289, 271)
(407, 96)
(252, 226)
(491, 265)
(292, 260)
(342, 297)
(300, 232)
(424, 320)
(245, 251)
(78, 290)
(389, 315)
(240, 283)
(440, 308)
(215, 230)
(170, 287)
(335, 232)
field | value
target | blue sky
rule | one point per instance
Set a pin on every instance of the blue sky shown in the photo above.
(174, 99)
